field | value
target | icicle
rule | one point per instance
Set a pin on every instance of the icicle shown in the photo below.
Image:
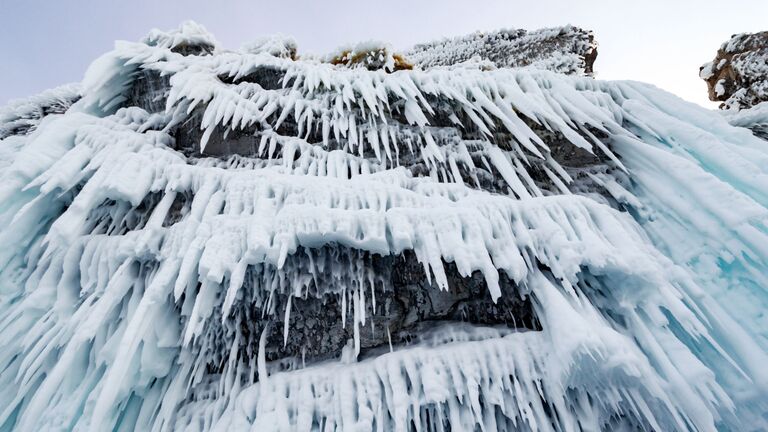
(287, 320)
(262, 355)
(344, 308)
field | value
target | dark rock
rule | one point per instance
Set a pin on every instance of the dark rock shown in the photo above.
(268, 78)
(149, 91)
(406, 306)
(198, 49)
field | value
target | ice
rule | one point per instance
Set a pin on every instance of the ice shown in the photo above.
(128, 258)
(22, 116)
(754, 118)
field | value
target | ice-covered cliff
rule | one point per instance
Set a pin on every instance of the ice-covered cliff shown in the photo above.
(248, 240)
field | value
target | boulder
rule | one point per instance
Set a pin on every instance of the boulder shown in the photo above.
(738, 75)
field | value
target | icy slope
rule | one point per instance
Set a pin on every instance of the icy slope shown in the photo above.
(216, 240)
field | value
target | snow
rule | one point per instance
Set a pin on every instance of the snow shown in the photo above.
(754, 118)
(651, 294)
(189, 33)
(277, 45)
(719, 88)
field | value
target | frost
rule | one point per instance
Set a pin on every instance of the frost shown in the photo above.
(158, 257)
(278, 46)
(568, 50)
(22, 116)
(189, 38)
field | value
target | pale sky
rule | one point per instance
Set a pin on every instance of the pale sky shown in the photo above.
(47, 43)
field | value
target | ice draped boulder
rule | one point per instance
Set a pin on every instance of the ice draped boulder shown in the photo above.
(196, 238)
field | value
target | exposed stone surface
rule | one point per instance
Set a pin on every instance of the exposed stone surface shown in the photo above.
(568, 50)
(408, 304)
(738, 75)
(149, 91)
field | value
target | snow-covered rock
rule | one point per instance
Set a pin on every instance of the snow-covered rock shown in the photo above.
(21, 116)
(219, 240)
(568, 50)
(738, 75)
(372, 55)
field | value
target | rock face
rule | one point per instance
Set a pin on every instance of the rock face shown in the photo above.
(738, 75)
(409, 304)
(569, 50)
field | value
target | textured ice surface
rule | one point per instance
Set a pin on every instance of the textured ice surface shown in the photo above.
(754, 118)
(143, 285)
(22, 116)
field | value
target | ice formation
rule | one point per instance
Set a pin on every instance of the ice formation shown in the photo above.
(22, 116)
(219, 240)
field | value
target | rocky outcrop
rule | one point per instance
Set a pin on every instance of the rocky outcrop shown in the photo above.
(570, 50)
(738, 75)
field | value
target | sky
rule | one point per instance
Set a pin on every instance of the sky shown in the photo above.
(47, 43)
